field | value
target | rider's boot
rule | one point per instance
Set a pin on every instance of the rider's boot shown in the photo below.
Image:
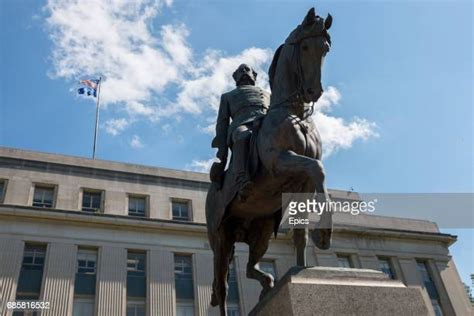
(240, 150)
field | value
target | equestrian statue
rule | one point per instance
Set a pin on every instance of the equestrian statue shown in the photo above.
(276, 148)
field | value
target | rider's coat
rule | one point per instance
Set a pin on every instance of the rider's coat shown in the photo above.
(243, 105)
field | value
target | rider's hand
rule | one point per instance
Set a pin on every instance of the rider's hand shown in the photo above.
(222, 154)
(216, 173)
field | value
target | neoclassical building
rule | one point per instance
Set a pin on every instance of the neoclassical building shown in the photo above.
(93, 237)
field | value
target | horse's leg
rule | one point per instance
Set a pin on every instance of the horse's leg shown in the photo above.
(222, 258)
(321, 236)
(300, 240)
(300, 235)
(258, 238)
(311, 172)
(214, 240)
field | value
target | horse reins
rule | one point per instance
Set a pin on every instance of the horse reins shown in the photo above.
(297, 95)
(299, 91)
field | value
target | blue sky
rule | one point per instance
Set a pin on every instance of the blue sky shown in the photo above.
(397, 115)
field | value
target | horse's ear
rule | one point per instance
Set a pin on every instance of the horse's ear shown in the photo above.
(328, 22)
(310, 17)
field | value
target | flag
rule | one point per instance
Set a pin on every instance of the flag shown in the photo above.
(89, 87)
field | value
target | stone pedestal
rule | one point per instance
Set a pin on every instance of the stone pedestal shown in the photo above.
(340, 291)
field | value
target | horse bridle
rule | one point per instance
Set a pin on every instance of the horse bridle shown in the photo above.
(300, 77)
(297, 95)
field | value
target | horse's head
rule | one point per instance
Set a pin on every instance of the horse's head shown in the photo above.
(299, 61)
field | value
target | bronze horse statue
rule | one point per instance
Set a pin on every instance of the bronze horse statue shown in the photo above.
(289, 154)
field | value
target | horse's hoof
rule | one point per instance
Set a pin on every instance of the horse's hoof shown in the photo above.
(322, 238)
(269, 284)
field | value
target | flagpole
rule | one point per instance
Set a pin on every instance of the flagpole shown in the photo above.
(96, 117)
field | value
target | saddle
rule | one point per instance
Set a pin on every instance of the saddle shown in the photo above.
(224, 182)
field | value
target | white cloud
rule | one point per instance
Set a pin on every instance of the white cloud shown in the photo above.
(174, 43)
(116, 126)
(113, 39)
(155, 74)
(201, 165)
(336, 133)
(136, 142)
(214, 76)
(330, 97)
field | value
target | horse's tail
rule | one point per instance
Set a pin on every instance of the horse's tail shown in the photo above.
(211, 214)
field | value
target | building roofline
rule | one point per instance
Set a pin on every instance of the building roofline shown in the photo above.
(108, 165)
(147, 174)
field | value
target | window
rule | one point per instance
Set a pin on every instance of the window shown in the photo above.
(183, 278)
(33, 258)
(43, 196)
(91, 201)
(386, 267)
(345, 261)
(83, 307)
(180, 210)
(26, 312)
(136, 308)
(3, 189)
(184, 308)
(268, 266)
(233, 309)
(31, 273)
(84, 285)
(86, 272)
(429, 286)
(136, 274)
(136, 264)
(86, 261)
(136, 206)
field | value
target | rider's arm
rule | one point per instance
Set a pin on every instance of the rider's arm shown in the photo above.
(222, 126)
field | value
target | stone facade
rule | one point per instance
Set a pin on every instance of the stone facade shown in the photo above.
(64, 228)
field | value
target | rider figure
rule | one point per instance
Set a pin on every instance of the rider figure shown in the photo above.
(243, 105)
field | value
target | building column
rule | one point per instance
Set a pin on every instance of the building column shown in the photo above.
(161, 296)
(11, 255)
(112, 280)
(58, 279)
(396, 268)
(411, 278)
(452, 294)
(283, 264)
(204, 268)
(409, 272)
(326, 260)
(311, 259)
(18, 191)
(368, 261)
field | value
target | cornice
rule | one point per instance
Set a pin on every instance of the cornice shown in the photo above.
(111, 221)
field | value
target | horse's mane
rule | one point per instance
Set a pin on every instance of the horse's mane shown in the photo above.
(312, 25)
(273, 65)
